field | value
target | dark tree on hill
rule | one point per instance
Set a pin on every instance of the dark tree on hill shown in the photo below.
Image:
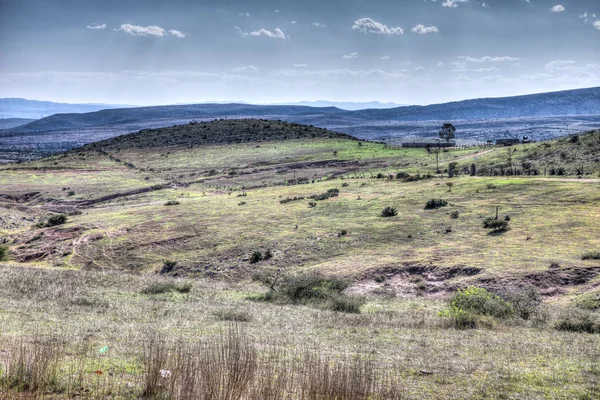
(448, 132)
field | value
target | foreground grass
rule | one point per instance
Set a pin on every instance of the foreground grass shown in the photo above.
(407, 349)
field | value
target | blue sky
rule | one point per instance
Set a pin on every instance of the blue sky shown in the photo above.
(404, 51)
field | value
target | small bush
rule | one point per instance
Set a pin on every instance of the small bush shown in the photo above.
(256, 257)
(268, 255)
(168, 266)
(312, 204)
(588, 301)
(591, 255)
(459, 318)
(525, 301)
(55, 220)
(167, 287)
(4, 250)
(233, 315)
(172, 203)
(347, 304)
(479, 301)
(454, 215)
(327, 195)
(71, 193)
(507, 217)
(578, 321)
(389, 212)
(496, 225)
(433, 204)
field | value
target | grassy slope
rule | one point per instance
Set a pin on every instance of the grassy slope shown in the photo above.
(209, 234)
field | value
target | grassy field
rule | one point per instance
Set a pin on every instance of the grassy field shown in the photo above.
(100, 279)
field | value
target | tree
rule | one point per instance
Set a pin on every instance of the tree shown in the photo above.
(448, 132)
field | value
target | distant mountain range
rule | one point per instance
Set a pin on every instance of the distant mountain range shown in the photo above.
(34, 109)
(350, 106)
(540, 116)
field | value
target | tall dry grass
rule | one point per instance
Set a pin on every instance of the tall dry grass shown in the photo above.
(232, 366)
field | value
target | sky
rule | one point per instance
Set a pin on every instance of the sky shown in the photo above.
(150, 52)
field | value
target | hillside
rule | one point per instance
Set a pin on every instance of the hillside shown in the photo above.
(34, 109)
(8, 123)
(217, 132)
(305, 261)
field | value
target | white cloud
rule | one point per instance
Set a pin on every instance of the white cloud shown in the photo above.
(275, 11)
(367, 25)
(277, 33)
(561, 65)
(319, 25)
(338, 73)
(440, 64)
(485, 5)
(423, 30)
(557, 8)
(177, 33)
(247, 68)
(96, 26)
(301, 65)
(240, 31)
(138, 30)
(419, 68)
(452, 3)
(490, 69)
(351, 56)
(597, 25)
(385, 58)
(488, 59)
(244, 14)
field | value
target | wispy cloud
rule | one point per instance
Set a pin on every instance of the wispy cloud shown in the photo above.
(385, 58)
(424, 30)
(597, 25)
(96, 26)
(351, 55)
(557, 8)
(277, 33)
(319, 25)
(367, 25)
(488, 59)
(452, 3)
(301, 65)
(177, 33)
(247, 68)
(151, 30)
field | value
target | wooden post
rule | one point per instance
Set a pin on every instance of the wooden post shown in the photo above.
(497, 208)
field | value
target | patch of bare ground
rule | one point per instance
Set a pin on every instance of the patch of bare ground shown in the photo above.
(431, 281)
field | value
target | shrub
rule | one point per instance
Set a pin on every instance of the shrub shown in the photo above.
(525, 302)
(327, 195)
(4, 253)
(55, 220)
(578, 321)
(256, 257)
(591, 255)
(268, 255)
(495, 225)
(402, 175)
(168, 266)
(389, 212)
(507, 217)
(71, 193)
(172, 203)
(454, 215)
(312, 204)
(479, 301)
(588, 301)
(433, 204)
(167, 287)
(347, 304)
(233, 315)
(459, 318)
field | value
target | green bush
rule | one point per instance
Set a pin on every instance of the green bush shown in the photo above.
(4, 250)
(327, 195)
(591, 255)
(348, 304)
(459, 318)
(233, 315)
(55, 220)
(168, 266)
(496, 225)
(172, 203)
(167, 287)
(525, 301)
(433, 204)
(578, 321)
(454, 215)
(256, 257)
(268, 255)
(389, 212)
(481, 302)
(588, 301)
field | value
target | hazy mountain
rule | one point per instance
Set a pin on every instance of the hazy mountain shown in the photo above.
(350, 106)
(34, 109)
(8, 123)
